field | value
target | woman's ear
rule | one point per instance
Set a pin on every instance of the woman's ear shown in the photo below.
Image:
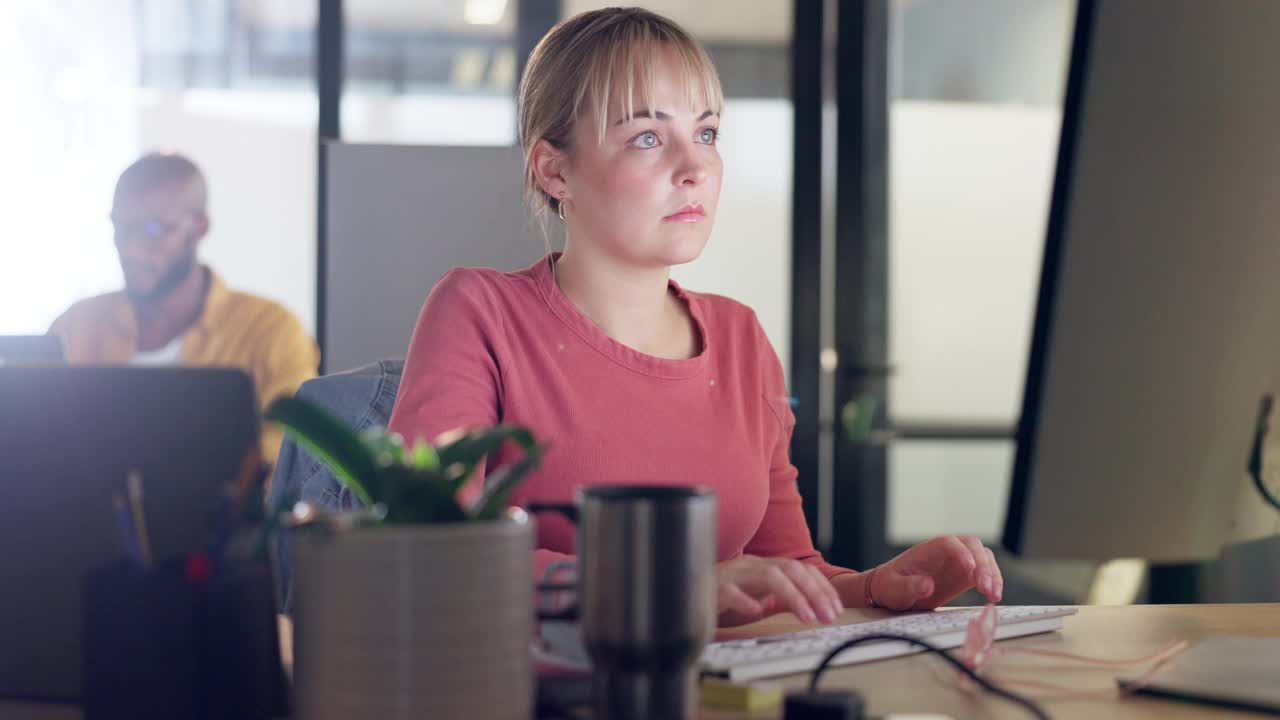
(548, 168)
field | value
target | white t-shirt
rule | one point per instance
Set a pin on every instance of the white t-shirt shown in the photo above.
(167, 355)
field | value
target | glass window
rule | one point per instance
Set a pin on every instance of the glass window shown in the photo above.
(976, 94)
(430, 73)
(226, 82)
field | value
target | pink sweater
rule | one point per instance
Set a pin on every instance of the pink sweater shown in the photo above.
(495, 347)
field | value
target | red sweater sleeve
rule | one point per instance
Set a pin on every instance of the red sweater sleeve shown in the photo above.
(452, 378)
(783, 532)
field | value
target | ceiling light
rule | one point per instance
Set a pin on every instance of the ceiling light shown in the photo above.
(484, 12)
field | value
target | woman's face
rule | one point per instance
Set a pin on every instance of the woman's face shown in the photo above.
(647, 195)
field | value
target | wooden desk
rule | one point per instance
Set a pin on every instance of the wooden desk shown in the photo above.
(923, 684)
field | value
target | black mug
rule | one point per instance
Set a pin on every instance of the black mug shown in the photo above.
(646, 592)
(161, 643)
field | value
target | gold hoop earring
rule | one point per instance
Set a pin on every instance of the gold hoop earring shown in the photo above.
(560, 206)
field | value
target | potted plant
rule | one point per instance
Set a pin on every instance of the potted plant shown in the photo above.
(427, 610)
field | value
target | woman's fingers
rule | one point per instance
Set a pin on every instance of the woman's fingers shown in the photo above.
(730, 597)
(813, 588)
(997, 575)
(833, 595)
(936, 571)
(781, 584)
(753, 587)
(985, 572)
(897, 591)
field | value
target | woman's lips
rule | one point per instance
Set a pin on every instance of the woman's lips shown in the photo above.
(688, 213)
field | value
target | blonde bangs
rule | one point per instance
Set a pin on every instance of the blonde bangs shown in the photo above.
(616, 78)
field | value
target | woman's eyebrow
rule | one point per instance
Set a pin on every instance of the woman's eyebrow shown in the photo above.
(659, 115)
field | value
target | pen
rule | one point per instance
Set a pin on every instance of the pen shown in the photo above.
(128, 535)
(134, 484)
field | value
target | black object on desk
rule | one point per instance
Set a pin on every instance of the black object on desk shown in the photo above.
(175, 644)
(1225, 670)
(824, 705)
(69, 438)
(563, 697)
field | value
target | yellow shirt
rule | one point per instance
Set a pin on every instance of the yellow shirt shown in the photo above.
(235, 330)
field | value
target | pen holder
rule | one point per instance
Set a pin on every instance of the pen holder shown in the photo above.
(165, 644)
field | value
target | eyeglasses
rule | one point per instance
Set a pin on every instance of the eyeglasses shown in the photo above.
(979, 638)
(149, 231)
(979, 648)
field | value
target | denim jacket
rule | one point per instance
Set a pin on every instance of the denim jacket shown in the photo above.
(363, 398)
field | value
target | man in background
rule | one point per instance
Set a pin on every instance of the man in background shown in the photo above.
(174, 310)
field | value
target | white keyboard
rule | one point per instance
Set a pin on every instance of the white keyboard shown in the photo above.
(743, 660)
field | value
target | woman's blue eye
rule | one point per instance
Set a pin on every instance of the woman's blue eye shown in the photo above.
(709, 135)
(646, 140)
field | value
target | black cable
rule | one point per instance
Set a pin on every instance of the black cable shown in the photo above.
(1255, 457)
(1267, 495)
(1031, 707)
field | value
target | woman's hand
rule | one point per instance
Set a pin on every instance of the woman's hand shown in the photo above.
(749, 588)
(936, 571)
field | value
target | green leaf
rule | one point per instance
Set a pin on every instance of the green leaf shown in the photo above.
(459, 458)
(499, 485)
(337, 445)
(856, 417)
(387, 447)
(418, 485)
(424, 456)
(420, 497)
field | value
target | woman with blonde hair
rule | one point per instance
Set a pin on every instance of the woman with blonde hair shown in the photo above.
(630, 378)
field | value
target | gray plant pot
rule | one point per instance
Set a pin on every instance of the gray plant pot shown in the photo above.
(414, 622)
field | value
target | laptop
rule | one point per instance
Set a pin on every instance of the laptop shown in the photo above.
(30, 350)
(69, 437)
(1225, 670)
